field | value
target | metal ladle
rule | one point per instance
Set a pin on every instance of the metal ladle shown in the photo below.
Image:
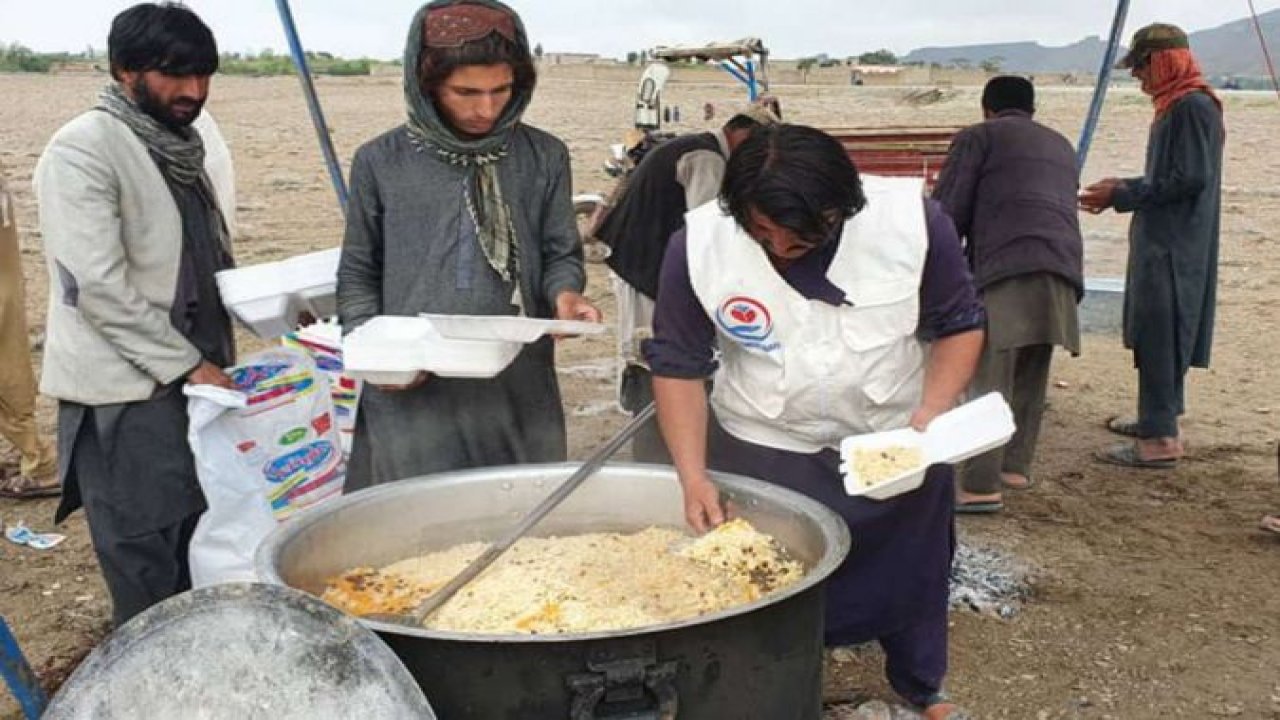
(432, 602)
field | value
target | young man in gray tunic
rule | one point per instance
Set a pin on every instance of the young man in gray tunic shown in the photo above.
(136, 205)
(462, 210)
(1171, 284)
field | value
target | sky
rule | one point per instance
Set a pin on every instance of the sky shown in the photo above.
(790, 28)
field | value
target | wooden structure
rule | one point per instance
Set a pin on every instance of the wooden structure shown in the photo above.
(897, 151)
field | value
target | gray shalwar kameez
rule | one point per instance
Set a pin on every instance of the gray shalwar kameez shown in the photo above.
(1027, 316)
(1171, 282)
(410, 247)
(129, 464)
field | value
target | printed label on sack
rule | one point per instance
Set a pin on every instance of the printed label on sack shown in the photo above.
(294, 436)
(306, 459)
(249, 377)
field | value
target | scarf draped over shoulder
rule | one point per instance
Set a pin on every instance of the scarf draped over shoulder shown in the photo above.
(429, 132)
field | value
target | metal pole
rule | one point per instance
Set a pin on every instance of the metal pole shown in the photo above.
(18, 675)
(1104, 79)
(313, 103)
(738, 73)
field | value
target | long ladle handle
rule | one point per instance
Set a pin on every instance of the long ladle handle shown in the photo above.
(432, 602)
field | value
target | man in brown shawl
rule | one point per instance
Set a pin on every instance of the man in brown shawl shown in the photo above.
(462, 210)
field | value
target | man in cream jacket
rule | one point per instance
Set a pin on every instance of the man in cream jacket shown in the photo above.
(136, 200)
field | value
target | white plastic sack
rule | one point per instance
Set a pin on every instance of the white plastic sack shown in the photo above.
(261, 454)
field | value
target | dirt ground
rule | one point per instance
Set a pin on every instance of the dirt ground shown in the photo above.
(1152, 598)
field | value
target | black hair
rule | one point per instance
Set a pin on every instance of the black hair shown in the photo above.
(435, 65)
(165, 37)
(796, 176)
(741, 122)
(1009, 92)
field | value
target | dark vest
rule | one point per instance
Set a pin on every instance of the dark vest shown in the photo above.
(1025, 218)
(651, 208)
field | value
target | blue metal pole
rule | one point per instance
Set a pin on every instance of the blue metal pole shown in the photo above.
(313, 103)
(18, 675)
(753, 88)
(729, 68)
(1104, 79)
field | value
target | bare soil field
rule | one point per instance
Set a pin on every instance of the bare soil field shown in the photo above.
(1155, 597)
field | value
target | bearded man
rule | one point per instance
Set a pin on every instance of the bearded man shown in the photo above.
(136, 200)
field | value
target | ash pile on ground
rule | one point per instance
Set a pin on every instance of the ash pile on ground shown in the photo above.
(988, 581)
(872, 710)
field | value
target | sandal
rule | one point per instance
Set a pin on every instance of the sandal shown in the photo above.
(946, 711)
(1031, 482)
(23, 487)
(1126, 455)
(1127, 426)
(872, 710)
(1270, 523)
(979, 507)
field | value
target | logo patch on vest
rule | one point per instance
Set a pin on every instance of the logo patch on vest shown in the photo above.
(747, 321)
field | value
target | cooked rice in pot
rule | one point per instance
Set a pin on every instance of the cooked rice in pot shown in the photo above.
(582, 583)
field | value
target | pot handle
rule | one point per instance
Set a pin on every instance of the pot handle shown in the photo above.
(625, 684)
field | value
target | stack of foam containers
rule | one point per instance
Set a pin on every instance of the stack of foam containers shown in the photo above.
(269, 297)
(392, 350)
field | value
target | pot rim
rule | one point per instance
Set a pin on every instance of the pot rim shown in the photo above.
(832, 527)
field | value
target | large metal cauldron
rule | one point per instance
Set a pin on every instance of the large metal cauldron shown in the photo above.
(758, 661)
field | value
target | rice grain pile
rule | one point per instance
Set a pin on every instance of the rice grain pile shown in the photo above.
(582, 583)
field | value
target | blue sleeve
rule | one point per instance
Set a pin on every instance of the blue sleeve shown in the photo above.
(949, 302)
(683, 343)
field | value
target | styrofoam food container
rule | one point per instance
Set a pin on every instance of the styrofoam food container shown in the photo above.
(903, 482)
(268, 297)
(392, 350)
(968, 430)
(508, 327)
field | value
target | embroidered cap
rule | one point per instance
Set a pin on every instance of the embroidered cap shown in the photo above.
(1157, 36)
(455, 25)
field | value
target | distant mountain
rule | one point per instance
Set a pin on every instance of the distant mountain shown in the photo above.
(1029, 57)
(1230, 49)
(1233, 49)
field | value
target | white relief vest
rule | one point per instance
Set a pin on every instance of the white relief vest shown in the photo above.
(798, 374)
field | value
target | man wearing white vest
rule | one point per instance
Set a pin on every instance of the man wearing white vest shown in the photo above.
(137, 206)
(839, 305)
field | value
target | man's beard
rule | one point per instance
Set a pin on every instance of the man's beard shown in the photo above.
(161, 113)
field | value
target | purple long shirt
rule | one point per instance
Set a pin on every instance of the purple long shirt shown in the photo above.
(683, 344)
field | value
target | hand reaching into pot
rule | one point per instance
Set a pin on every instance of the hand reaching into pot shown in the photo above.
(703, 509)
